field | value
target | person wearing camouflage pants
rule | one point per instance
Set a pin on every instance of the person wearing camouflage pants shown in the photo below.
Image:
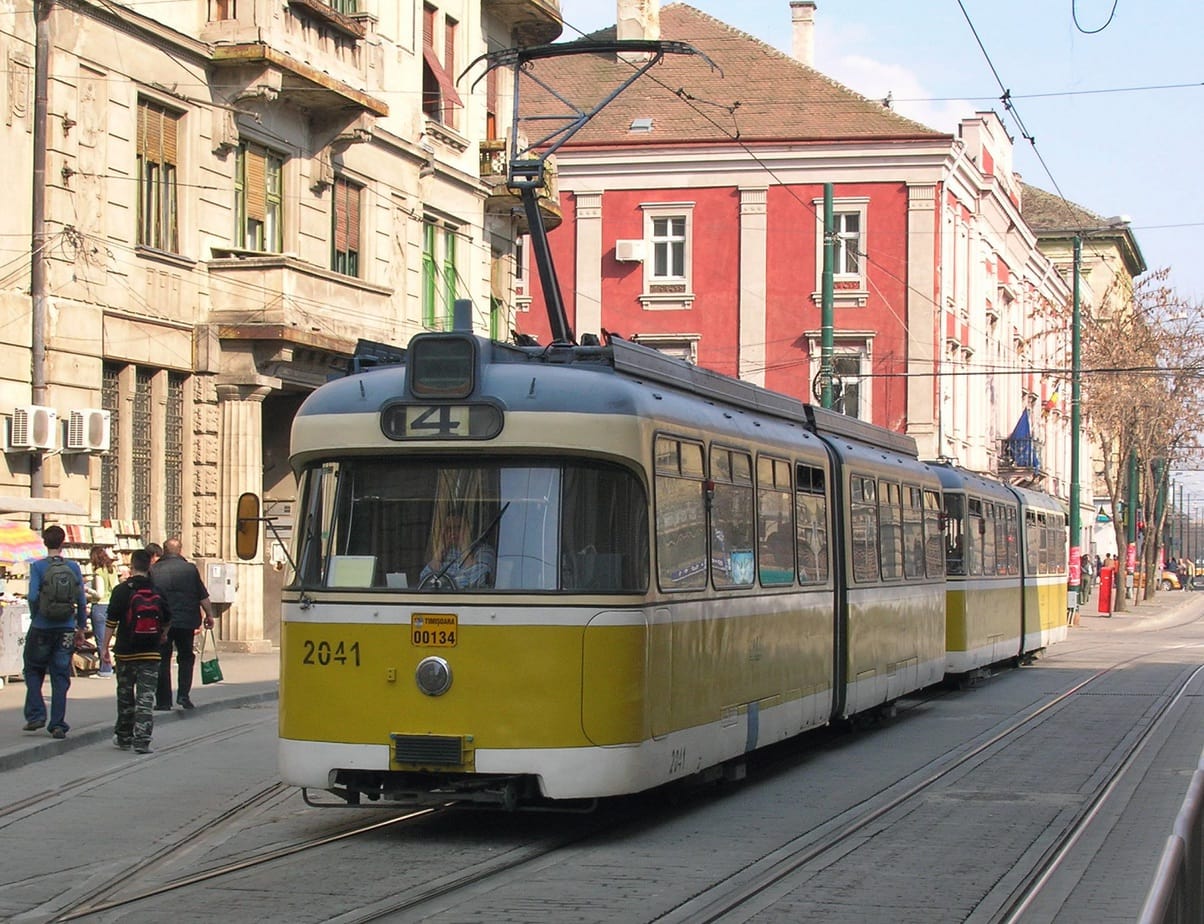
(137, 656)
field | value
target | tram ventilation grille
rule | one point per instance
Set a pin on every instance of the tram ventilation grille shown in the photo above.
(443, 750)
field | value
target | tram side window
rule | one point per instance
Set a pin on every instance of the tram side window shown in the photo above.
(890, 531)
(732, 520)
(1043, 540)
(863, 520)
(775, 524)
(1057, 544)
(955, 533)
(811, 524)
(975, 527)
(988, 539)
(1012, 541)
(1032, 543)
(681, 537)
(934, 542)
(913, 532)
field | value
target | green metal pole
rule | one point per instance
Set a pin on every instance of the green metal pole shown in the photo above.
(828, 301)
(1076, 526)
(1131, 520)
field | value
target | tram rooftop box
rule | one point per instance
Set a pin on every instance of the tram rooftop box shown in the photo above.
(445, 366)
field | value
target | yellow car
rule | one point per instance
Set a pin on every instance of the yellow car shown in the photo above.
(1169, 581)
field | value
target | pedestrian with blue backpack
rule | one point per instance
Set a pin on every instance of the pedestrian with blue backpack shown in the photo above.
(59, 610)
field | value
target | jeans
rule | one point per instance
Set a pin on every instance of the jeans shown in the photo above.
(100, 612)
(181, 640)
(48, 650)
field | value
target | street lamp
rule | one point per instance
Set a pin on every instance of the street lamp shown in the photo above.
(1076, 413)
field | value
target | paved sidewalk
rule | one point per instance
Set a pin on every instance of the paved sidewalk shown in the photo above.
(92, 705)
(255, 678)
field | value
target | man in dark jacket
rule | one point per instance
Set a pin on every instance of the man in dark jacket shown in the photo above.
(178, 580)
(137, 654)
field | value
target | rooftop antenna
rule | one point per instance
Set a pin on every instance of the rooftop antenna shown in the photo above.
(526, 171)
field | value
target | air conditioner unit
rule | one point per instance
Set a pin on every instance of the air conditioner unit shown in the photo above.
(33, 428)
(88, 430)
(629, 251)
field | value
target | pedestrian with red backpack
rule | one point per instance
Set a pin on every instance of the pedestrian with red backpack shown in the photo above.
(138, 619)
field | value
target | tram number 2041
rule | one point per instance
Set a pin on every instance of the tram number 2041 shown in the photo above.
(325, 654)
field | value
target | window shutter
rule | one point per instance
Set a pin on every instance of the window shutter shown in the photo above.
(340, 216)
(256, 186)
(428, 26)
(353, 217)
(150, 132)
(449, 48)
(168, 135)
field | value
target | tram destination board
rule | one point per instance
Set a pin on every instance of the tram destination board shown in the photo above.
(441, 421)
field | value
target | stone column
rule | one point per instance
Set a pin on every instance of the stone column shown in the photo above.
(923, 318)
(240, 403)
(587, 287)
(753, 248)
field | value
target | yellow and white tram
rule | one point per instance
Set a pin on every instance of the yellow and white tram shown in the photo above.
(659, 570)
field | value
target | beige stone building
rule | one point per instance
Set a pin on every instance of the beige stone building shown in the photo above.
(235, 192)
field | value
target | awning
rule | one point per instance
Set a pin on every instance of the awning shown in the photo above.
(446, 84)
(40, 505)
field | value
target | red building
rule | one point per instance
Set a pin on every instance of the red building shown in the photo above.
(693, 216)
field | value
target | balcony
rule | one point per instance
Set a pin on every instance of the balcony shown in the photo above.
(531, 22)
(254, 294)
(1020, 455)
(503, 201)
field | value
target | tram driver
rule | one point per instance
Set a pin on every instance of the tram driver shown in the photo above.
(455, 555)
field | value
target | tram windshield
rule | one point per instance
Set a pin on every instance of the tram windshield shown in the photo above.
(436, 524)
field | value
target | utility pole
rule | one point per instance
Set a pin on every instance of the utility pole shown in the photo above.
(37, 255)
(828, 301)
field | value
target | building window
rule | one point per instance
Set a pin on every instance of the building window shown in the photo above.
(846, 384)
(158, 157)
(439, 275)
(140, 451)
(679, 346)
(669, 248)
(346, 7)
(850, 216)
(848, 244)
(223, 9)
(259, 197)
(173, 455)
(439, 96)
(345, 234)
(668, 267)
(110, 483)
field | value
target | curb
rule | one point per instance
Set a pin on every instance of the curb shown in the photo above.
(103, 732)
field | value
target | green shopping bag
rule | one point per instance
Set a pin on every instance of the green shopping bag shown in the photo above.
(211, 670)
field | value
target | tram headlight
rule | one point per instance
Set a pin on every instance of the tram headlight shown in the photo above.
(434, 676)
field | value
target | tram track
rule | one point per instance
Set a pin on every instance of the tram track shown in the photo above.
(46, 800)
(755, 885)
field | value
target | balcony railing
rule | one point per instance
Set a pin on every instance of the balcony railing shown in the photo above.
(1020, 453)
(502, 200)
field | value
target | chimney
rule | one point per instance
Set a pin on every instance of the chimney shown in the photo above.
(637, 19)
(802, 20)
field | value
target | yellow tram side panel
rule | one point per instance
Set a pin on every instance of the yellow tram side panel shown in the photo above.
(548, 686)
(513, 686)
(1049, 597)
(982, 621)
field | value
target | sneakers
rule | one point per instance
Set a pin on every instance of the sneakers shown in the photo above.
(143, 749)
(161, 707)
(32, 726)
(185, 702)
(122, 745)
(106, 674)
(59, 733)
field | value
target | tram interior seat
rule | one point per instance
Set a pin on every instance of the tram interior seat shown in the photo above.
(595, 571)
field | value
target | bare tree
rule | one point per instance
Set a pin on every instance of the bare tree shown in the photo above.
(1143, 351)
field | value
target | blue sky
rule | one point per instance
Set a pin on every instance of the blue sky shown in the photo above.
(1132, 153)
